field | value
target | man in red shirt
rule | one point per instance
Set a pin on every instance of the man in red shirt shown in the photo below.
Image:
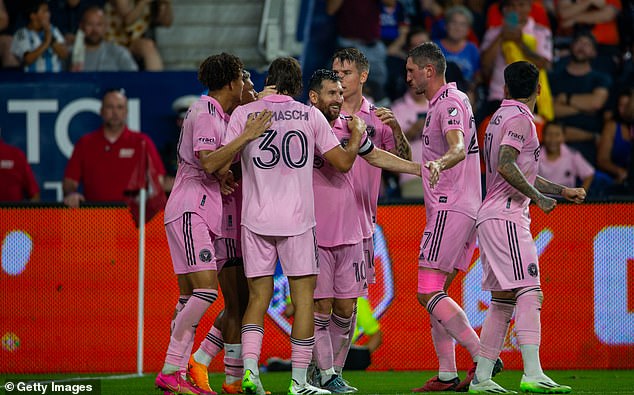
(103, 161)
(16, 176)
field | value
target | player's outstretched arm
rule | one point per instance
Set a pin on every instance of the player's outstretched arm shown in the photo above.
(508, 169)
(343, 158)
(577, 195)
(454, 155)
(390, 162)
(220, 159)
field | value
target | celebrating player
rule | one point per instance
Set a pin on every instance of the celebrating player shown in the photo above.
(510, 268)
(451, 184)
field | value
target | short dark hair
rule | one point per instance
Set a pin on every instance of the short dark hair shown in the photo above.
(429, 53)
(286, 74)
(352, 55)
(33, 6)
(319, 77)
(219, 70)
(521, 79)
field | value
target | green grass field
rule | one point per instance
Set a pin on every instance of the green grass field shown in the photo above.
(582, 382)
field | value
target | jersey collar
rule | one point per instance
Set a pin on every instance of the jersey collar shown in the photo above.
(216, 105)
(523, 107)
(440, 91)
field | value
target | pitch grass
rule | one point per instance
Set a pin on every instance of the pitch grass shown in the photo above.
(581, 381)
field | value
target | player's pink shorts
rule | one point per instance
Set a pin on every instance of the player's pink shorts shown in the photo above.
(297, 254)
(191, 244)
(228, 252)
(448, 242)
(508, 255)
(342, 272)
(368, 254)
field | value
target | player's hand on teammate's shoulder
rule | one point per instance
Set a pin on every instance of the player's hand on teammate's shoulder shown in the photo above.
(257, 124)
(356, 124)
(546, 204)
(577, 195)
(267, 91)
(386, 116)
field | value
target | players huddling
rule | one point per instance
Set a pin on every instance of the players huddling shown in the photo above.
(265, 178)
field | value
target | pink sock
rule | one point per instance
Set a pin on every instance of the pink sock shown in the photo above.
(340, 337)
(323, 345)
(301, 352)
(527, 320)
(252, 341)
(185, 325)
(182, 301)
(213, 343)
(496, 324)
(452, 317)
(445, 350)
(233, 360)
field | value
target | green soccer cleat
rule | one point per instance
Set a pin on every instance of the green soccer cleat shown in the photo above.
(251, 384)
(543, 385)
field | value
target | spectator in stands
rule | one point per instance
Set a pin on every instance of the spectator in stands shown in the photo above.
(562, 164)
(98, 54)
(67, 14)
(580, 94)
(131, 23)
(615, 144)
(457, 49)
(103, 160)
(359, 26)
(39, 46)
(394, 31)
(518, 38)
(598, 15)
(16, 177)
(410, 112)
(7, 59)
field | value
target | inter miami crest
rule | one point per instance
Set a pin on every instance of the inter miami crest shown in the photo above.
(205, 255)
(532, 270)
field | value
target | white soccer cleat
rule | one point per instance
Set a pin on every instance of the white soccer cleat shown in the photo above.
(542, 385)
(488, 387)
(305, 389)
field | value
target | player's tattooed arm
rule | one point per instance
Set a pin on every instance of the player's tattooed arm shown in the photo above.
(576, 195)
(508, 169)
(402, 148)
(545, 186)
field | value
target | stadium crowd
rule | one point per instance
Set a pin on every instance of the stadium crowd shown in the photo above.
(584, 54)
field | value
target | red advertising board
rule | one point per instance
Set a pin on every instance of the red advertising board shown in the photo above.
(68, 289)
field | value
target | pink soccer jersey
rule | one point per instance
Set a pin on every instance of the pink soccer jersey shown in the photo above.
(336, 212)
(367, 178)
(511, 125)
(459, 188)
(277, 168)
(194, 190)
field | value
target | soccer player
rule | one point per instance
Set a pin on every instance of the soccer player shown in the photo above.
(279, 219)
(353, 68)
(452, 191)
(510, 268)
(225, 332)
(194, 210)
(342, 271)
